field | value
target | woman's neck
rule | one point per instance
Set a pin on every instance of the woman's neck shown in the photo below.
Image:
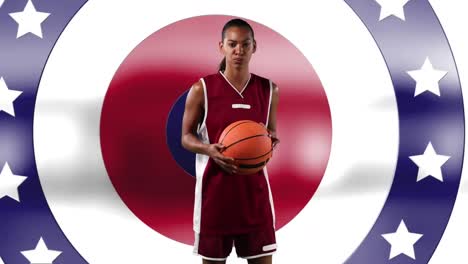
(237, 77)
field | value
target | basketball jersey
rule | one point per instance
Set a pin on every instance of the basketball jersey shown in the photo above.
(224, 203)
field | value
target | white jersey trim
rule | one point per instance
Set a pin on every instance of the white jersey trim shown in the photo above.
(269, 247)
(233, 87)
(205, 95)
(270, 196)
(195, 250)
(265, 168)
(201, 162)
(242, 106)
(213, 259)
(260, 255)
(196, 243)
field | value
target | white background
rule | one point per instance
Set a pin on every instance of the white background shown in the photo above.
(71, 169)
(451, 14)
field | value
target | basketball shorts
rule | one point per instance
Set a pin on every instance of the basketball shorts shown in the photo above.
(251, 245)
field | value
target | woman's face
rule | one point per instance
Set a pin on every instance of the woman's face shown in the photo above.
(237, 46)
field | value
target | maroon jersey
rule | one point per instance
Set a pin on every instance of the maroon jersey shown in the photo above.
(224, 203)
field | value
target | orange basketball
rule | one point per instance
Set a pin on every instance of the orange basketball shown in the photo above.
(249, 143)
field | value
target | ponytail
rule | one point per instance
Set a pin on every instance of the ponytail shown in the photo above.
(222, 65)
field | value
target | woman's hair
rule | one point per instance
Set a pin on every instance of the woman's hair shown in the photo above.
(236, 22)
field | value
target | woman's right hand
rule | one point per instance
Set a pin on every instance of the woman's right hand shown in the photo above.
(226, 163)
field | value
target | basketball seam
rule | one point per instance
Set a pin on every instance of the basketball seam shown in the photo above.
(247, 121)
(271, 150)
(240, 140)
(253, 166)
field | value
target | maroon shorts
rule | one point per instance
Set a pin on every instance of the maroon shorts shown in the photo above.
(250, 245)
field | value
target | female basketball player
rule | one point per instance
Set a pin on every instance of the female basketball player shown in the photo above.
(230, 209)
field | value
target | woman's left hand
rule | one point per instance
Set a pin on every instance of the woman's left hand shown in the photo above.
(272, 134)
(274, 141)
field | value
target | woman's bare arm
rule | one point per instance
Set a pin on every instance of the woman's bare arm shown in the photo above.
(272, 117)
(193, 115)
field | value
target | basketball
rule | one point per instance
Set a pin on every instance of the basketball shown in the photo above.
(249, 143)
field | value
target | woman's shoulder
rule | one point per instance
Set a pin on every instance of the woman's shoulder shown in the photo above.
(264, 80)
(211, 76)
(254, 75)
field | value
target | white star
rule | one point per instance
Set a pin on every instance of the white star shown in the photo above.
(1, 260)
(427, 78)
(7, 97)
(392, 7)
(9, 183)
(429, 163)
(41, 254)
(1, 3)
(402, 241)
(29, 20)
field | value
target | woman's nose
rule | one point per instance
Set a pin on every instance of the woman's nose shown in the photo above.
(239, 49)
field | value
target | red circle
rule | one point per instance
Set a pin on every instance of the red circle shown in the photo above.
(164, 66)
